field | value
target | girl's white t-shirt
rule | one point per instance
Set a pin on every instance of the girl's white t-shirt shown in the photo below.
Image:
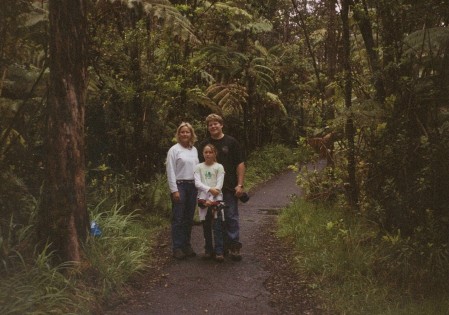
(207, 177)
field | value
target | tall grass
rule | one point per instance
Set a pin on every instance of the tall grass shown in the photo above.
(356, 268)
(123, 248)
(40, 288)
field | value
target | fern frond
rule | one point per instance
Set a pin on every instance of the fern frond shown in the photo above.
(260, 48)
(229, 97)
(165, 13)
(428, 40)
(207, 77)
(275, 101)
(258, 27)
(197, 96)
(230, 8)
(172, 19)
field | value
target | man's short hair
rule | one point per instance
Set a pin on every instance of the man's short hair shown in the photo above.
(214, 117)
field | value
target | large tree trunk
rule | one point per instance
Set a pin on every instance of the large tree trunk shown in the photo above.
(63, 218)
(350, 129)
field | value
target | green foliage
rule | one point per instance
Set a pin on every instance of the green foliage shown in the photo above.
(165, 14)
(29, 284)
(122, 249)
(153, 197)
(175, 23)
(17, 214)
(39, 288)
(320, 184)
(265, 162)
(197, 96)
(357, 268)
(430, 42)
(229, 97)
(153, 65)
(104, 184)
(413, 181)
(148, 198)
(232, 16)
(276, 102)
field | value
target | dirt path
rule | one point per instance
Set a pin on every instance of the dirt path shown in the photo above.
(262, 283)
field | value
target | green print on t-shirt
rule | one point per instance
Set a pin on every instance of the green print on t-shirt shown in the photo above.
(208, 175)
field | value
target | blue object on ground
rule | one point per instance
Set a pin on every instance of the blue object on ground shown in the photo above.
(95, 229)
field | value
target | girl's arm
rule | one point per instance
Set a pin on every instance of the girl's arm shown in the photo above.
(220, 178)
(198, 183)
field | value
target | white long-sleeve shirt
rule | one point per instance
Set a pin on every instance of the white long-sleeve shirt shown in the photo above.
(181, 163)
(207, 177)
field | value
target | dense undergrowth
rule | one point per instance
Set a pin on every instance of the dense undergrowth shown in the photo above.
(130, 216)
(355, 265)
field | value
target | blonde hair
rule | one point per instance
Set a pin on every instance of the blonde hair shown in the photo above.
(192, 132)
(213, 148)
(214, 117)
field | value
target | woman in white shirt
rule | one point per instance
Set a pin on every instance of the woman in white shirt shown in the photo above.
(181, 161)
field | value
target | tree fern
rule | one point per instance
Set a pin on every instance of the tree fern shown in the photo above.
(431, 40)
(165, 14)
(198, 97)
(257, 27)
(229, 97)
(262, 73)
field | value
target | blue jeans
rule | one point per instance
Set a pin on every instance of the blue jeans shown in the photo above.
(231, 224)
(215, 225)
(182, 215)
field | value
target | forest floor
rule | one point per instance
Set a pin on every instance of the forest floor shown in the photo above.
(264, 282)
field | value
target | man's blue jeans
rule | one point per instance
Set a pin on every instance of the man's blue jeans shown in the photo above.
(231, 224)
(182, 215)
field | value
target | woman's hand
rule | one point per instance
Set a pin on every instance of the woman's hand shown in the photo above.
(176, 197)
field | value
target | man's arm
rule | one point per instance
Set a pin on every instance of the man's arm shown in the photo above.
(241, 168)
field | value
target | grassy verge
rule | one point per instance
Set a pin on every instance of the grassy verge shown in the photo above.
(356, 268)
(35, 286)
(38, 288)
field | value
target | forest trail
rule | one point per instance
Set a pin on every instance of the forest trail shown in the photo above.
(196, 286)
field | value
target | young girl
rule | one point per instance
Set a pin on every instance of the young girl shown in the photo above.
(209, 177)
